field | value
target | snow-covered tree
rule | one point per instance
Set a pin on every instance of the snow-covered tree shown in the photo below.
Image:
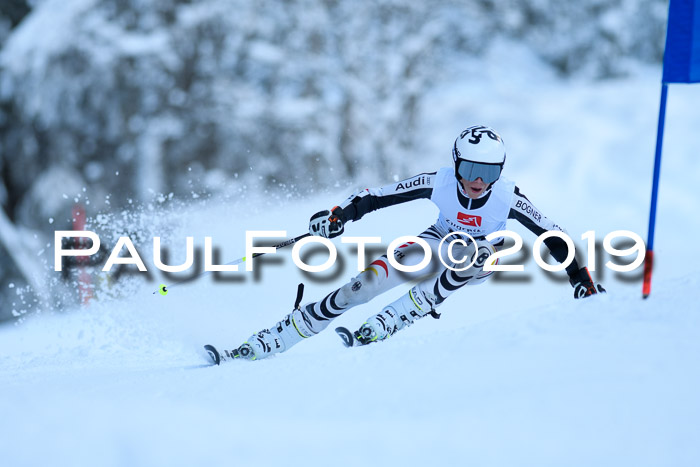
(132, 98)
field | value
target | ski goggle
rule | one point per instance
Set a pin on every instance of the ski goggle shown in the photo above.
(470, 171)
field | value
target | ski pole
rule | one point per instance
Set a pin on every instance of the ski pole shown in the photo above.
(163, 289)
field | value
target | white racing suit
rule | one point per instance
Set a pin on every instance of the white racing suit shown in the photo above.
(458, 214)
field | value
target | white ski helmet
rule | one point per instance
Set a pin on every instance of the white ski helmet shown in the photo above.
(479, 152)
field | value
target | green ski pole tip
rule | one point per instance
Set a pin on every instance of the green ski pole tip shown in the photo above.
(163, 289)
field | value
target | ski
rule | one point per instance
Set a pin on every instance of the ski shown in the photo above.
(225, 356)
(349, 338)
(346, 335)
(213, 353)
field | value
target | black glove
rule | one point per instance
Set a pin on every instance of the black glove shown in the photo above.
(328, 224)
(583, 284)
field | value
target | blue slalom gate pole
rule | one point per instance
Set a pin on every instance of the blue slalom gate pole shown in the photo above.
(649, 258)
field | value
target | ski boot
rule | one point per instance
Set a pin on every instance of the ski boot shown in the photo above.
(292, 329)
(394, 317)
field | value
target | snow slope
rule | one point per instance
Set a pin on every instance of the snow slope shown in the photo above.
(607, 381)
(512, 374)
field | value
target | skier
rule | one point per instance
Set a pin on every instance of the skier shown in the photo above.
(472, 197)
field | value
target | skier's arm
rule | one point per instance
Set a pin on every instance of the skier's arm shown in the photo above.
(362, 202)
(331, 223)
(523, 211)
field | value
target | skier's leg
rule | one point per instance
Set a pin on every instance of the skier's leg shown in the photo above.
(427, 295)
(400, 313)
(378, 278)
(313, 317)
(452, 279)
